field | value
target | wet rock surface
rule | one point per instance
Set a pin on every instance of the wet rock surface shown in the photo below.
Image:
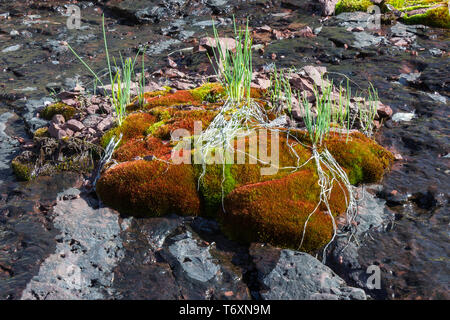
(87, 248)
(98, 255)
(166, 259)
(300, 276)
(409, 66)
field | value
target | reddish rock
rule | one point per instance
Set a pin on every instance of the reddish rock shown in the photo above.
(105, 124)
(69, 132)
(225, 43)
(92, 109)
(55, 131)
(384, 111)
(58, 119)
(74, 125)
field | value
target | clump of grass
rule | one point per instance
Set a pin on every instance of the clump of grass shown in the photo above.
(318, 126)
(368, 111)
(280, 91)
(120, 80)
(234, 70)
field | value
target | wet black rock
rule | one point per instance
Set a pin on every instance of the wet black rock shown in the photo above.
(166, 259)
(344, 258)
(292, 275)
(87, 249)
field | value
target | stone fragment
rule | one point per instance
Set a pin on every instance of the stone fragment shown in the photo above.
(74, 125)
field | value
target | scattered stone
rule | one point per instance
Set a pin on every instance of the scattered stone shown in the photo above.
(58, 119)
(105, 124)
(74, 125)
(436, 52)
(328, 7)
(12, 48)
(384, 111)
(403, 116)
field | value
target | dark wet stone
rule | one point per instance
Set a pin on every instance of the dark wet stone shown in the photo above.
(188, 267)
(27, 235)
(344, 258)
(292, 275)
(87, 249)
(30, 111)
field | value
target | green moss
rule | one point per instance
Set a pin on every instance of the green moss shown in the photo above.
(363, 159)
(352, 5)
(152, 129)
(438, 17)
(134, 126)
(22, 171)
(58, 108)
(209, 92)
(216, 184)
(161, 113)
(41, 132)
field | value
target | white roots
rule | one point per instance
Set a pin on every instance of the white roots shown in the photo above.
(109, 150)
(326, 182)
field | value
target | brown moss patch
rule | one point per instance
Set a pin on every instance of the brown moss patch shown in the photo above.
(133, 127)
(275, 212)
(150, 188)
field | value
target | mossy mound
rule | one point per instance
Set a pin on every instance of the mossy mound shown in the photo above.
(22, 170)
(41, 132)
(435, 17)
(364, 160)
(58, 108)
(251, 205)
(208, 92)
(150, 188)
(434, 13)
(352, 5)
(275, 211)
(134, 126)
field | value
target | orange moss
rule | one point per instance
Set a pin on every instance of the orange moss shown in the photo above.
(275, 211)
(217, 183)
(150, 188)
(180, 97)
(364, 159)
(184, 120)
(149, 146)
(133, 127)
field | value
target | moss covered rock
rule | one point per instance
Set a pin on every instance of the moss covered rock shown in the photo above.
(22, 170)
(251, 206)
(434, 13)
(134, 126)
(150, 188)
(275, 211)
(58, 108)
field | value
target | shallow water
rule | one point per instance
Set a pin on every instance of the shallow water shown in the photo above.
(413, 255)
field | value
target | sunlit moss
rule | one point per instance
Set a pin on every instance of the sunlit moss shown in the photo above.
(58, 108)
